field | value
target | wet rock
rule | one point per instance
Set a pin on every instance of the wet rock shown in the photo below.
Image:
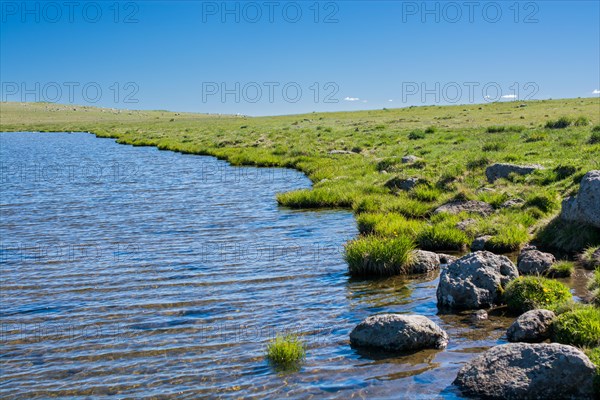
(474, 281)
(534, 262)
(479, 315)
(472, 206)
(410, 159)
(499, 170)
(480, 242)
(398, 332)
(424, 262)
(585, 207)
(528, 371)
(533, 327)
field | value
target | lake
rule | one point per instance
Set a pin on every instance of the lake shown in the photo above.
(136, 272)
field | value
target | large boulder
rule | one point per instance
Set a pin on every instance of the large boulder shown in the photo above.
(423, 262)
(585, 207)
(534, 262)
(500, 170)
(398, 332)
(471, 206)
(533, 327)
(474, 281)
(528, 371)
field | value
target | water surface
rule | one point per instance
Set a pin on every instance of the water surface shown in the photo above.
(135, 272)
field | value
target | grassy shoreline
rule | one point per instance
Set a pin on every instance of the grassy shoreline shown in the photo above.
(351, 158)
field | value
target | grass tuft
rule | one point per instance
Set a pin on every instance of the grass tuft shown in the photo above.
(531, 292)
(286, 352)
(561, 269)
(372, 256)
(579, 327)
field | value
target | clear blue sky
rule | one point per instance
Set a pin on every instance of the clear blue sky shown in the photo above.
(182, 55)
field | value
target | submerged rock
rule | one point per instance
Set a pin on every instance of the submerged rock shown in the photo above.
(500, 170)
(471, 206)
(474, 281)
(585, 207)
(528, 371)
(423, 262)
(479, 315)
(534, 326)
(534, 262)
(398, 332)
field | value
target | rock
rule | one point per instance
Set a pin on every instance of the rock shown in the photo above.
(424, 262)
(499, 170)
(446, 258)
(474, 281)
(534, 262)
(512, 203)
(479, 243)
(585, 207)
(341, 152)
(466, 224)
(533, 327)
(528, 371)
(403, 183)
(398, 332)
(410, 159)
(479, 315)
(472, 206)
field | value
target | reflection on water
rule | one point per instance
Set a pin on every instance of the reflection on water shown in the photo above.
(130, 271)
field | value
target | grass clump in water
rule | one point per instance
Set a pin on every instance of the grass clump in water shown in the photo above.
(286, 352)
(567, 236)
(372, 256)
(443, 234)
(561, 269)
(590, 258)
(594, 286)
(508, 238)
(579, 327)
(531, 292)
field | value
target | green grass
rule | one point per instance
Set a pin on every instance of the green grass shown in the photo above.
(442, 234)
(580, 327)
(531, 292)
(594, 356)
(561, 269)
(567, 236)
(286, 352)
(371, 256)
(586, 258)
(561, 123)
(449, 140)
(594, 286)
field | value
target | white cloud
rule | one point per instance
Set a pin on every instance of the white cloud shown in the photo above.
(509, 96)
(390, 100)
(364, 101)
(596, 91)
(352, 99)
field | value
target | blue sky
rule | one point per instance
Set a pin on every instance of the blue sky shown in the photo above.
(280, 57)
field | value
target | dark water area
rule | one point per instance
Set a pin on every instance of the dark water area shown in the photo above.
(135, 272)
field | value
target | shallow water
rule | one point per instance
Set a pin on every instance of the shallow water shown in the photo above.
(134, 272)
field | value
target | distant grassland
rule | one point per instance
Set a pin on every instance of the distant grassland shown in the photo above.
(454, 145)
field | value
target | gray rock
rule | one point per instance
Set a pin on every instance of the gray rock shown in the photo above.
(398, 332)
(534, 262)
(585, 207)
(424, 262)
(466, 224)
(341, 152)
(447, 258)
(512, 203)
(479, 315)
(480, 242)
(403, 183)
(499, 170)
(474, 281)
(533, 327)
(410, 159)
(472, 206)
(528, 371)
